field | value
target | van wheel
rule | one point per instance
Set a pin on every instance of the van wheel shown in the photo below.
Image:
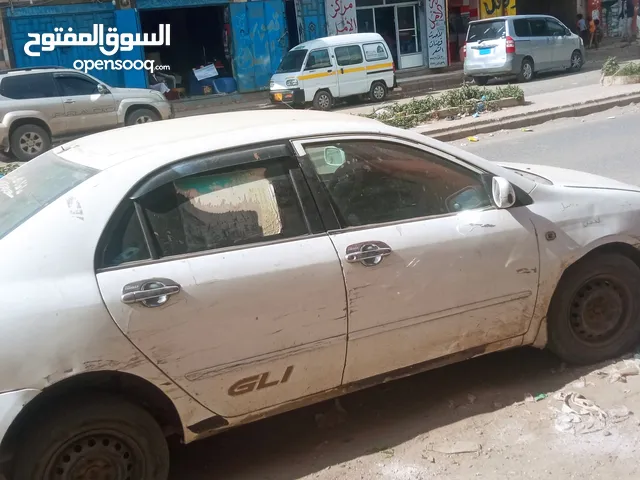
(526, 71)
(99, 437)
(141, 115)
(576, 61)
(481, 81)
(595, 313)
(378, 91)
(29, 141)
(323, 100)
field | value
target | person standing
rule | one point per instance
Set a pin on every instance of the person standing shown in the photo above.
(626, 15)
(582, 29)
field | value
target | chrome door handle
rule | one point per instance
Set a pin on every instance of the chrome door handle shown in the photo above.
(153, 292)
(369, 254)
(68, 100)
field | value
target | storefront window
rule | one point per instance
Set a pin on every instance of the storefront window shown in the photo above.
(407, 30)
(365, 20)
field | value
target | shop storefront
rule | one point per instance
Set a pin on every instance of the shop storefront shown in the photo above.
(399, 24)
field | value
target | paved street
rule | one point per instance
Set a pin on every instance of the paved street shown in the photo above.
(398, 431)
(596, 143)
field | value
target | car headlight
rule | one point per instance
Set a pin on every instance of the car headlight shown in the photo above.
(272, 84)
(581, 42)
(292, 82)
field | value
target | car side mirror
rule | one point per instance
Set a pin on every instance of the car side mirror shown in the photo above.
(504, 196)
(567, 33)
(102, 90)
(334, 156)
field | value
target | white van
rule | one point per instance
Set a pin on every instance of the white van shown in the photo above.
(321, 70)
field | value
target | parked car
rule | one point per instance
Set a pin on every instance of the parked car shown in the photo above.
(325, 69)
(42, 105)
(521, 46)
(178, 279)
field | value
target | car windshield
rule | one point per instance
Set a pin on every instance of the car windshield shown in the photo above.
(33, 186)
(490, 30)
(292, 61)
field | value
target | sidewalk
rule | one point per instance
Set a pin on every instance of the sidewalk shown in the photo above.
(539, 109)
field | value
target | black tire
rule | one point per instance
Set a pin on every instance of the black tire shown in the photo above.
(323, 100)
(29, 141)
(576, 61)
(103, 430)
(141, 115)
(378, 91)
(481, 81)
(527, 71)
(595, 312)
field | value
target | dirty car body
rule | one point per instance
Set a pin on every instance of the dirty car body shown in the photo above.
(199, 279)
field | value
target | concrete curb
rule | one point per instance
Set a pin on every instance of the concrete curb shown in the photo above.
(519, 120)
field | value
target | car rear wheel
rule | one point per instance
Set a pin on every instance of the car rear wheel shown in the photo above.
(323, 100)
(576, 61)
(595, 313)
(102, 438)
(142, 115)
(378, 92)
(29, 141)
(526, 71)
(482, 81)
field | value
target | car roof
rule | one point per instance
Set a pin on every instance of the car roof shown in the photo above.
(33, 70)
(511, 17)
(337, 40)
(170, 140)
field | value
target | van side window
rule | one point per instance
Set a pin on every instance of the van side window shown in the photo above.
(538, 27)
(349, 55)
(521, 28)
(318, 59)
(555, 29)
(374, 52)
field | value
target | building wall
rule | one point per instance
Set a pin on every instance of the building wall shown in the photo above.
(314, 20)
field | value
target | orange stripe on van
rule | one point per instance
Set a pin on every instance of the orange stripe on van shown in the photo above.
(379, 67)
(316, 75)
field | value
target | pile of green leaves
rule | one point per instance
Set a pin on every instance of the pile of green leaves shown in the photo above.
(8, 167)
(612, 68)
(462, 100)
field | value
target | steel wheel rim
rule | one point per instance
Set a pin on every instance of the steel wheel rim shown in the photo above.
(378, 92)
(527, 71)
(31, 143)
(324, 101)
(600, 310)
(97, 455)
(144, 119)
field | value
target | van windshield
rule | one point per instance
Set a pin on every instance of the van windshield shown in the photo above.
(489, 30)
(292, 61)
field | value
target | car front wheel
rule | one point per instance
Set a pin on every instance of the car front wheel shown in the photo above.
(142, 115)
(595, 313)
(103, 437)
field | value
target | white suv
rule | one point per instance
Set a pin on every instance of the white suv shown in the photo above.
(40, 105)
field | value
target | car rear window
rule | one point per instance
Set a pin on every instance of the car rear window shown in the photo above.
(489, 30)
(23, 87)
(33, 186)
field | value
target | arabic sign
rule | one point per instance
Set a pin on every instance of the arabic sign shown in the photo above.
(341, 17)
(205, 72)
(436, 34)
(109, 44)
(497, 8)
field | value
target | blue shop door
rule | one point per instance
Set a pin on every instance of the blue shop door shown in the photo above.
(64, 56)
(259, 41)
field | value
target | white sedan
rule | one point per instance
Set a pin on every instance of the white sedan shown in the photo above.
(184, 277)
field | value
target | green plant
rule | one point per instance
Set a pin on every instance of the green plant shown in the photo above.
(5, 168)
(631, 68)
(610, 66)
(460, 100)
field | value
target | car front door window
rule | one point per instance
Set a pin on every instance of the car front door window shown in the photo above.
(380, 182)
(74, 85)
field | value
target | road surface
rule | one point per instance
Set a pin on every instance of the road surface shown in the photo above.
(398, 431)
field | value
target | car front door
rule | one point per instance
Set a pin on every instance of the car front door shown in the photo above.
(230, 284)
(86, 108)
(319, 74)
(352, 73)
(541, 44)
(432, 268)
(561, 44)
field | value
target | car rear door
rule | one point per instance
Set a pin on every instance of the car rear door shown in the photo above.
(486, 44)
(431, 267)
(86, 109)
(230, 284)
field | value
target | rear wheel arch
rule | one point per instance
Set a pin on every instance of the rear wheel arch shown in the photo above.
(131, 388)
(18, 122)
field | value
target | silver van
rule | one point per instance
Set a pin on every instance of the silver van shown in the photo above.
(520, 45)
